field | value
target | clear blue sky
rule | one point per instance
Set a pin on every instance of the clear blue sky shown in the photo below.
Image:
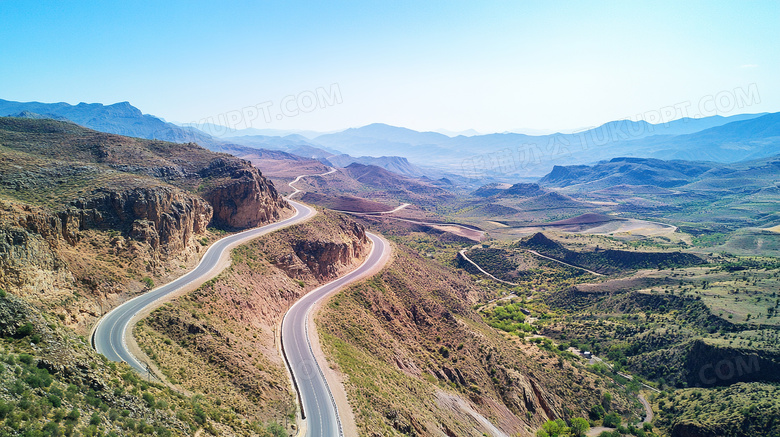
(491, 66)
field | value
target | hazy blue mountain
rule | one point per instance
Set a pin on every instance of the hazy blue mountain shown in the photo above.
(627, 171)
(223, 132)
(396, 164)
(386, 132)
(120, 118)
(378, 139)
(687, 125)
(465, 133)
(733, 142)
(291, 143)
(503, 156)
(748, 176)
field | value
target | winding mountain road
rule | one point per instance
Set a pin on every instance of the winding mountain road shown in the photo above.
(110, 334)
(319, 406)
(319, 409)
(485, 272)
(564, 263)
(112, 330)
(297, 190)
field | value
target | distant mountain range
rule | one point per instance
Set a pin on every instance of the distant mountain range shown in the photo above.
(506, 156)
(223, 132)
(124, 119)
(120, 118)
(502, 157)
(396, 164)
(747, 176)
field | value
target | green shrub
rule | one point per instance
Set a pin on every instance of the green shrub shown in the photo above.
(276, 430)
(579, 426)
(26, 359)
(149, 399)
(24, 330)
(73, 415)
(597, 412)
(612, 420)
(55, 400)
(38, 378)
(6, 408)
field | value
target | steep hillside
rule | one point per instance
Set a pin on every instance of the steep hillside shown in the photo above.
(89, 218)
(697, 412)
(53, 384)
(419, 360)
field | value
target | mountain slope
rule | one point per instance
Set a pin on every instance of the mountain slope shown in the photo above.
(420, 361)
(93, 214)
(120, 118)
(733, 142)
(395, 164)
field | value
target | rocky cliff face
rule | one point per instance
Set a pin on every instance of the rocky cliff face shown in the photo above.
(242, 197)
(322, 255)
(167, 218)
(28, 264)
(38, 248)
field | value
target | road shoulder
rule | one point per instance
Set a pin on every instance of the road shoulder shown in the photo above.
(333, 375)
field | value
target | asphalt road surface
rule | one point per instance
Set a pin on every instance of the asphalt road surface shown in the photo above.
(319, 407)
(112, 329)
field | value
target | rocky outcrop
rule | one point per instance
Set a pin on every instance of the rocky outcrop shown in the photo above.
(28, 263)
(326, 258)
(241, 196)
(323, 255)
(88, 219)
(165, 217)
(155, 224)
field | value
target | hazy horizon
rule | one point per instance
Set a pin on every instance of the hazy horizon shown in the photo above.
(454, 66)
